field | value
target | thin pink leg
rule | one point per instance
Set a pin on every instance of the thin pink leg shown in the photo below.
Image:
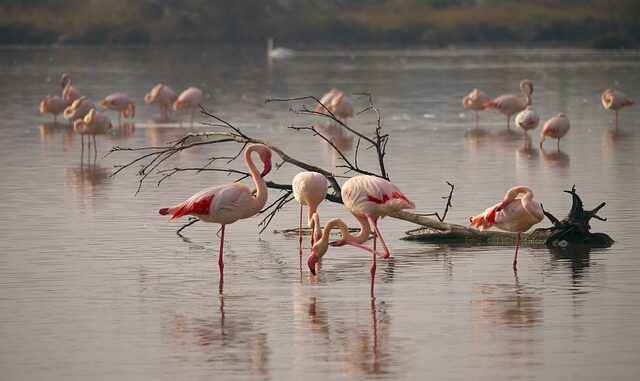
(616, 120)
(300, 231)
(95, 149)
(220, 261)
(515, 257)
(82, 150)
(508, 125)
(375, 259)
(374, 223)
(477, 119)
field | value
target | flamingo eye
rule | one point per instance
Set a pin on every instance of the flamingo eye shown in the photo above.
(498, 209)
(470, 219)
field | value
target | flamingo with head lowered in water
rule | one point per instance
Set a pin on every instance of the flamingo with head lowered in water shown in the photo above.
(309, 188)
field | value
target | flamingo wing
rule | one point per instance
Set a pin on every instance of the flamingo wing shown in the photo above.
(223, 204)
(373, 196)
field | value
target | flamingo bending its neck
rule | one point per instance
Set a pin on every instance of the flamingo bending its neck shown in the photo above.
(309, 188)
(163, 96)
(527, 120)
(69, 92)
(615, 100)
(337, 103)
(512, 214)
(475, 101)
(556, 128)
(190, 99)
(53, 104)
(121, 103)
(228, 203)
(372, 197)
(94, 123)
(510, 104)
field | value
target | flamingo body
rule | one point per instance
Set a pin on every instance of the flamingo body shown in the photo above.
(309, 188)
(190, 99)
(510, 104)
(94, 123)
(337, 103)
(614, 100)
(78, 109)
(475, 100)
(527, 119)
(53, 104)
(556, 128)
(373, 196)
(163, 96)
(121, 103)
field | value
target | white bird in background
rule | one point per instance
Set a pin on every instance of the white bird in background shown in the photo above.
(614, 100)
(510, 104)
(163, 96)
(556, 128)
(53, 104)
(527, 120)
(475, 101)
(69, 92)
(121, 103)
(78, 109)
(190, 99)
(278, 52)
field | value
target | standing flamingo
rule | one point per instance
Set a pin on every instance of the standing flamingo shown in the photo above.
(556, 128)
(337, 103)
(228, 203)
(615, 100)
(527, 120)
(78, 109)
(121, 103)
(309, 188)
(510, 104)
(475, 101)
(191, 99)
(94, 123)
(512, 214)
(163, 96)
(53, 104)
(69, 92)
(372, 197)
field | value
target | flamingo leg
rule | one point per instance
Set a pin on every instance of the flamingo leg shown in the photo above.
(477, 119)
(508, 120)
(193, 113)
(616, 120)
(300, 231)
(374, 223)
(515, 257)
(558, 146)
(220, 261)
(95, 149)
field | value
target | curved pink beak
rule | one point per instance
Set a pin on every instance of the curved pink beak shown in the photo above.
(267, 168)
(311, 262)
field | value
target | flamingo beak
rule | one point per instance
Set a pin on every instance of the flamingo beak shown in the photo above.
(267, 168)
(476, 221)
(311, 262)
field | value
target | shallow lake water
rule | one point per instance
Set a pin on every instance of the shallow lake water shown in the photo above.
(95, 285)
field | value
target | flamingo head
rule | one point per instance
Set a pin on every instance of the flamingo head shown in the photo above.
(64, 79)
(265, 155)
(486, 219)
(78, 126)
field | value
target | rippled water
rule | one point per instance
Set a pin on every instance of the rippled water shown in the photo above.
(95, 285)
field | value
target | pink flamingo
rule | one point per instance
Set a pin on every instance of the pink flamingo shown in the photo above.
(615, 100)
(53, 104)
(309, 188)
(512, 214)
(94, 123)
(228, 203)
(69, 92)
(78, 109)
(163, 96)
(556, 128)
(527, 120)
(510, 104)
(191, 99)
(475, 101)
(121, 103)
(371, 197)
(337, 103)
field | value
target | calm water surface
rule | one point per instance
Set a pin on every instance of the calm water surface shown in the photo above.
(94, 285)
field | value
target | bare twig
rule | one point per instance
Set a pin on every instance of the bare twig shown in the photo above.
(446, 207)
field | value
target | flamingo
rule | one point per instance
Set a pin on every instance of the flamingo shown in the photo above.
(69, 92)
(53, 104)
(527, 120)
(615, 100)
(337, 103)
(119, 102)
(371, 197)
(512, 214)
(228, 203)
(556, 128)
(78, 109)
(163, 96)
(191, 98)
(475, 101)
(510, 104)
(309, 188)
(94, 123)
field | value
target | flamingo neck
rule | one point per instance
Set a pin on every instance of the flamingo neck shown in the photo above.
(527, 93)
(261, 186)
(362, 236)
(513, 192)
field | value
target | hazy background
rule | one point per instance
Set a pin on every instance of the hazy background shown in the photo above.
(580, 23)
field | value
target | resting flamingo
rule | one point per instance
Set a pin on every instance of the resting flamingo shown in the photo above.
(556, 128)
(53, 104)
(309, 188)
(372, 197)
(337, 103)
(475, 101)
(94, 123)
(121, 103)
(510, 104)
(69, 92)
(228, 203)
(512, 214)
(78, 109)
(190, 99)
(163, 96)
(615, 100)
(527, 120)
